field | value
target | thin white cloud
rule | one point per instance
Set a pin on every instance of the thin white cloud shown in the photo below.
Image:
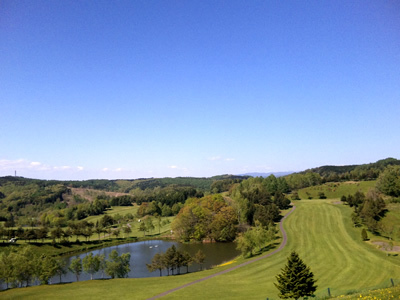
(220, 158)
(173, 167)
(213, 158)
(12, 164)
(105, 169)
(23, 166)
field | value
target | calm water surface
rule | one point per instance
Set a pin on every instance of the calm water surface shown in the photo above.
(143, 252)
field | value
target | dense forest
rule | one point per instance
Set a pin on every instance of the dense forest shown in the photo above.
(33, 202)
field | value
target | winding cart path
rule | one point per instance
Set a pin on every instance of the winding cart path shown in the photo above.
(282, 245)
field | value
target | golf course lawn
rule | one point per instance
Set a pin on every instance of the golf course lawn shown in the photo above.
(320, 231)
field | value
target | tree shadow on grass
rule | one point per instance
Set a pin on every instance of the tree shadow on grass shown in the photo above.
(267, 248)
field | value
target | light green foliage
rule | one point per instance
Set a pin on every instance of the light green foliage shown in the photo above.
(389, 181)
(208, 217)
(47, 267)
(76, 267)
(149, 224)
(23, 265)
(92, 263)
(255, 238)
(118, 266)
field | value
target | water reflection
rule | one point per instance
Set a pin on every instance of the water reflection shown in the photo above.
(143, 252)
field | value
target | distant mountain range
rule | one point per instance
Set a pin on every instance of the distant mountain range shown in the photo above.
(276, 174)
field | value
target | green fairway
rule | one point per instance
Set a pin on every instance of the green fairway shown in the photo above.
(322, 234)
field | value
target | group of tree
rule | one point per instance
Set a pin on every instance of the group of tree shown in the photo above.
(107, 225)
(320, 175)
(158, 209)
(255, 238)
(116, 266)
(368, 209)
(173, 259)
(210, 217)
(23, 266)
(147, 224)
(389, 181)
(260, 199)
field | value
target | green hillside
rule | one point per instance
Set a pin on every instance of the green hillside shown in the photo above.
(320, 231)
(334, 190)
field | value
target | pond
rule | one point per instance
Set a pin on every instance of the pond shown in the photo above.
(143, 252)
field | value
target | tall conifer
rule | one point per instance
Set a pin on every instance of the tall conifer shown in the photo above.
(296, 279)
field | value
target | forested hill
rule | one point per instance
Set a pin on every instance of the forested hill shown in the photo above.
(204, 184)
(371, 169)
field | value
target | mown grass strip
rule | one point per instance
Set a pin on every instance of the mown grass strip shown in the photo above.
(321, 232)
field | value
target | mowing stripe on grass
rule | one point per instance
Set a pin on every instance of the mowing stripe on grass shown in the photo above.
(284, 241)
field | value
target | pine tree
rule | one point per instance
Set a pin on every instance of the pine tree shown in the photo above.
(296, 279)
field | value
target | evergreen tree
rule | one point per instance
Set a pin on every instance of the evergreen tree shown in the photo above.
(364, 235)
(296, 279)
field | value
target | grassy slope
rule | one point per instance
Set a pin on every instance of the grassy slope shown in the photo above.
(337, 189)
(320, 231)
(49, 249)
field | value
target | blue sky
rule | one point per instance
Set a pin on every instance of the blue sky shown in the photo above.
(130, 89)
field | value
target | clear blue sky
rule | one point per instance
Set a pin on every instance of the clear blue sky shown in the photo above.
(129, 89)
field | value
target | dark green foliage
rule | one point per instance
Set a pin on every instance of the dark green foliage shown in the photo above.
(295, 196)
(254, 193)
(296, 280)
(368, 209)
(321, 195)
(389, 181)
(125, 200)
(171, 260)
(157, 263)
(364, 235)
(224, 185)
(281, 201)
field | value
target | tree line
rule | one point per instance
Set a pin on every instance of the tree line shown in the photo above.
(173, 259)
(368, 209)
(320, 175)
(22, 267)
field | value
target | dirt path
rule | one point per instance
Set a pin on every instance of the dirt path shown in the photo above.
(282, 245)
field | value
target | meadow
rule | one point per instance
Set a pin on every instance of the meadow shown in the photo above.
(334, 190)
(320, 231)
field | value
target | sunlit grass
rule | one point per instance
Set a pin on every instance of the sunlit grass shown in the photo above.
(322, 234)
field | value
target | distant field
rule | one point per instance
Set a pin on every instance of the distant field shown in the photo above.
(320, 231)
(336, 189)
(109, 239)
(122, 210)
